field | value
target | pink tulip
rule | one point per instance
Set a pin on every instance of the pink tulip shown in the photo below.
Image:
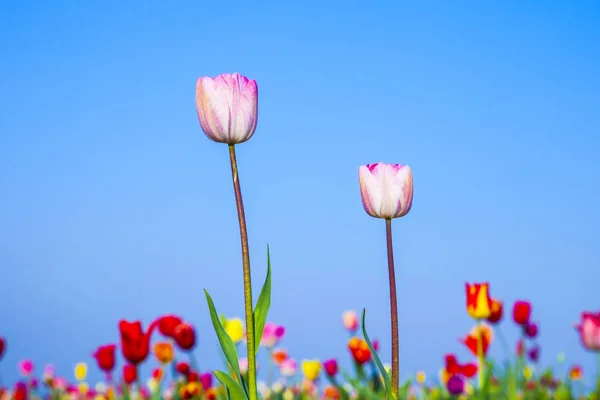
(589, 330)
(288, 367)
(386, 189)
(350, 321)
(272, 334)
(227, 107)
(26, 367)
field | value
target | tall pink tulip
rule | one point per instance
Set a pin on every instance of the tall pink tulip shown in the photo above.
(589, 331)
(386, 189)
(227, 107)
(387, 192)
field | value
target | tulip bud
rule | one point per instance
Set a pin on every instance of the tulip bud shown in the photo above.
(386, 189)
(227, 107)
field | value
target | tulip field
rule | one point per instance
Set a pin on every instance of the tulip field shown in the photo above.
(294, 378)
(227, 109)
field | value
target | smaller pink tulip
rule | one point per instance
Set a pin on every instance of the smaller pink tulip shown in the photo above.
(386, 189)
(26, 367)
(589, 330)
(272, 334)
(350, 321)
(243, 365)
(288, 367)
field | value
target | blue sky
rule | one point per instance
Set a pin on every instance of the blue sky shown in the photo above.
(115, 205)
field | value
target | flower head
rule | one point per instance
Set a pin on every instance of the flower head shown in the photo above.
(2, 346)
(272, 334)
(184, 336)
(589, 331)
(105, 357)
(331, 367)
(386, 189)
(479, 303)
(278, 356)
(227, 107)
(288, 367)
(359, 350)
(164, 352)
(135, 343)
(350, 320)
(521, 312)
(167, 324)
(496, 311)
(472, 339)
(311, 369)
(80, 371)
(235, 329)
(575, 373)
(26, 367)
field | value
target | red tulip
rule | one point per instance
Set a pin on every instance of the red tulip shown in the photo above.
(167, 324)
(359, 350)
(184, 336)
(20, 391)
(521, 312)
(472, 339)
(520, 348)
(129, 373)
(135, 344)
(183, 368)
(105, 357)
(453, 367)
(330, 367)
(2, 346)
(497, 310)
(192, 376)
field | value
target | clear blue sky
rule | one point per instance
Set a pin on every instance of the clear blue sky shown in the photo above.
(115, 205)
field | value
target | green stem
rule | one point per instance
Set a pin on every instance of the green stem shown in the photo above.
(598, 375)
(512, 382)
(393, 310)
(480, 356)
(270, 369)
(247, 281)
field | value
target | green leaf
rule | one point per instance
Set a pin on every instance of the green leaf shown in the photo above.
(386, 377)
(235, 390)
(262, 306)
(225, 341)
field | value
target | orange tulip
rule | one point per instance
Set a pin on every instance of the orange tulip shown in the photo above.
(331, 393)
(479, 303)
(575, 373)
(359, 350)
(279, 356)
(164, 353)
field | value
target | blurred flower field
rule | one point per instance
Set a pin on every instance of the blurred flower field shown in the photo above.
(168, 343)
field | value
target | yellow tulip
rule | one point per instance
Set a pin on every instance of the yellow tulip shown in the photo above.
(83, 388)
(235, 329)
(421, 377)
(80, 371)
(311, 369)
(527, 372)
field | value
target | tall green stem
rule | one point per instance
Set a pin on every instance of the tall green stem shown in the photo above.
(247, 281)
(480, 355)
(393, 310)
